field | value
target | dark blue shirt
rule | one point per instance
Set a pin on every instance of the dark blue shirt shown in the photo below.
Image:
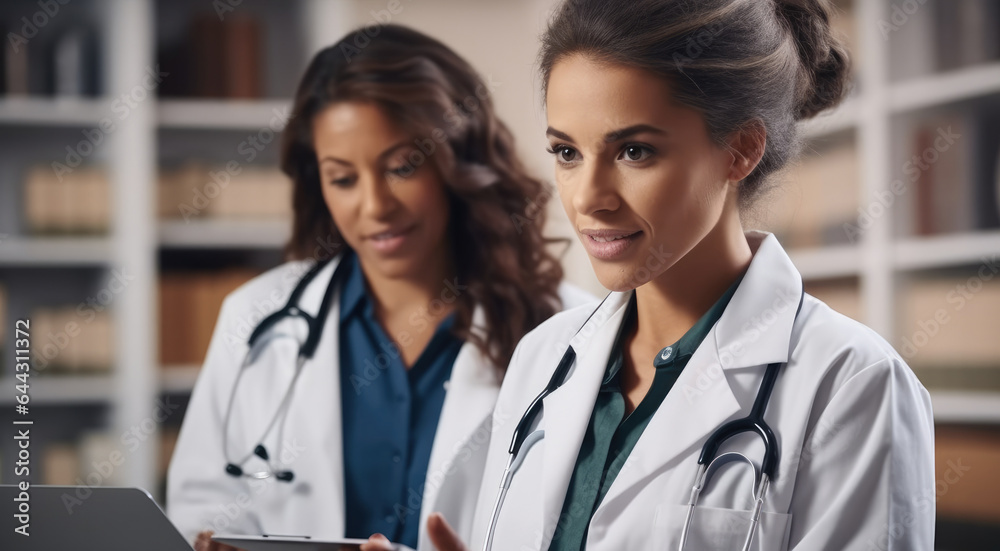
(390, 414)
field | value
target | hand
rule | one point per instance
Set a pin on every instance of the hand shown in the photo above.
(442, 535)
(205, 543)
(377, 542)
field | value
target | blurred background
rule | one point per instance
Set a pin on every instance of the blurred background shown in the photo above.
(139, 185)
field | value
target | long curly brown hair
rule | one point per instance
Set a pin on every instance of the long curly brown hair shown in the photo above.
(497, 209)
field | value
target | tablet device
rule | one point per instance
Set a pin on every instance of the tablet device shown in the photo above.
(293, 543)
(83, 517)
(287, 543)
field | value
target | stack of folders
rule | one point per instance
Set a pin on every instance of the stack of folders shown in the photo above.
(951, 322)
(75, 202)
(198, 190)
(89, 460)
(72, 340)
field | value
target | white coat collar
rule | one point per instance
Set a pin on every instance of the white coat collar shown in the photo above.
(755, 329)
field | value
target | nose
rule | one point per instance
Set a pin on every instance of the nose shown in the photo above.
(594, 188)
(378, 200)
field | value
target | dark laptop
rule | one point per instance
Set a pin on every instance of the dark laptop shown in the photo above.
(72, 517)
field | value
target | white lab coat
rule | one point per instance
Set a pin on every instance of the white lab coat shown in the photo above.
(202, 496)
(855, 428)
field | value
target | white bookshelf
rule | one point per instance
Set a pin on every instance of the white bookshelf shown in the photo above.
(63, 389)
(882, 257)
(55, 251)
(59, 112)
(127, 49)
(941, 89)
(225, 234)
(222, 115)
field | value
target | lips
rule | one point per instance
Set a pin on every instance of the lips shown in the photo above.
(608, 244)
(390, 241)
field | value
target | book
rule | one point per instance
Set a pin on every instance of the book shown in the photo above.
(74, 64)
(77, 202)
(188, 191)
(16, 64)
(61, 464)
(940, 171)
(951, 322)
(242, 56)
(965, 460)
(189, 304)
(225, 57)
(67, 342)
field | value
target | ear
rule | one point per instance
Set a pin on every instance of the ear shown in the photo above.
(747, 148)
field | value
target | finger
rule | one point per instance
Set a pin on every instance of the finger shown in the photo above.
(442, 535)
(203, 542)
(377, 542)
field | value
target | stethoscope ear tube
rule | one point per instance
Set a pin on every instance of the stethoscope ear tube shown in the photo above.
(521, 430)
(754, 422)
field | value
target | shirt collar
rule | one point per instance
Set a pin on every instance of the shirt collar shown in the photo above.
(683, 348)
(353, 292)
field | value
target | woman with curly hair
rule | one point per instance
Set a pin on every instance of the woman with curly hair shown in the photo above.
(406, 185)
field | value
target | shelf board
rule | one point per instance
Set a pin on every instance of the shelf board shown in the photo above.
(844, 117)
(946, 250)
(955, 406)
(65, 112)
(62, 389)
(827, 262)
(55, 251)
(945, 88)
(223, 114)
(224, 234)
(178, 379)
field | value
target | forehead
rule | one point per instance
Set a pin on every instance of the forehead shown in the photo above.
(353, 124)
(611, 95)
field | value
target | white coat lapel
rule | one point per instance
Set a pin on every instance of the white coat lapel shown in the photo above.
(754, 330)
(472, 392)
(566, 412)
(318, 392)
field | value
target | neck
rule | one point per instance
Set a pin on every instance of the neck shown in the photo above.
(412, 292)
(669, 305)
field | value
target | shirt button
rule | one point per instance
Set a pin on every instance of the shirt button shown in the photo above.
(396, 458)
(390, 519)
(666, 353)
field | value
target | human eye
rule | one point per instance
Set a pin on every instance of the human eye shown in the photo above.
(344, 181)
(636, 153)
(564, 154)
(402, 170)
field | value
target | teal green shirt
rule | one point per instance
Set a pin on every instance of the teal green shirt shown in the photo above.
(610, 435)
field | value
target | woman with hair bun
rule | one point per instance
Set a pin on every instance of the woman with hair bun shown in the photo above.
(666, 119)
(407, 192)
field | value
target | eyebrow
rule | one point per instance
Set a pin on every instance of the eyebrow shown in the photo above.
(614, 135)
(381, 156)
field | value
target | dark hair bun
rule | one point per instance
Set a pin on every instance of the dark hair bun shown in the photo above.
(825, 68)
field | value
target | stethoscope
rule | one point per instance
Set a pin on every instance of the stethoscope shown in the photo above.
(259, 338)
(708, 462)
